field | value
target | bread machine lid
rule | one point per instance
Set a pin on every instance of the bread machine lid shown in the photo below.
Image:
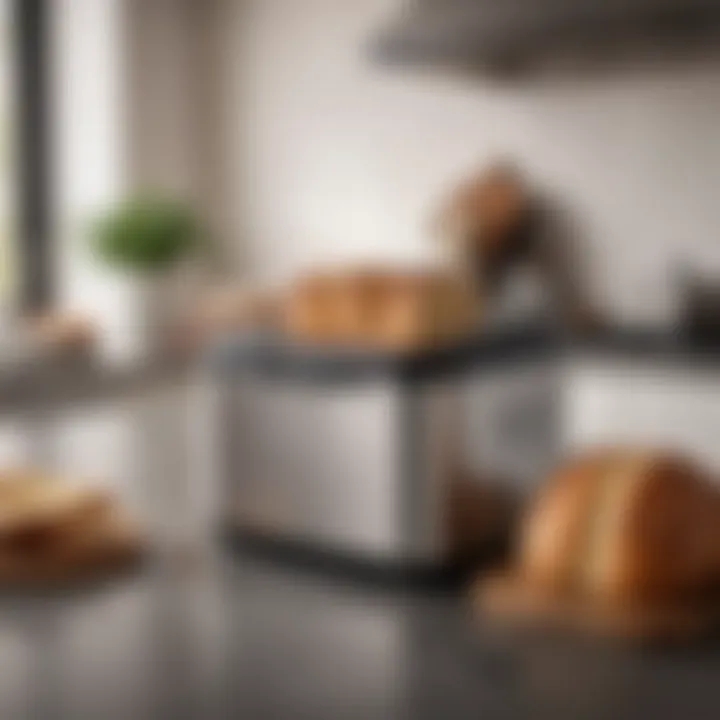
(274, 358)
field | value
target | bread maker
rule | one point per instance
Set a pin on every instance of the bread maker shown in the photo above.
(346, 453)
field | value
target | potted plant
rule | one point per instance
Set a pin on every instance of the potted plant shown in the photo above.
(149, 239)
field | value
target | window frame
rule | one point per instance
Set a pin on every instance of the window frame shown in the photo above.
(32, 167)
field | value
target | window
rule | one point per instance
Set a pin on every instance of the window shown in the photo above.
(9, 272)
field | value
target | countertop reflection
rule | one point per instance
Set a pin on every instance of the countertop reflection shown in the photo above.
(201, 634)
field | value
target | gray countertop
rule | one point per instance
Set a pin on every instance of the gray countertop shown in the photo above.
(234, 638)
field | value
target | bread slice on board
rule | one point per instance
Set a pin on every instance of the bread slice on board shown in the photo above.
(52, 532)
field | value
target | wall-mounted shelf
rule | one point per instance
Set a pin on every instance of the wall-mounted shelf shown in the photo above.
(487, 35)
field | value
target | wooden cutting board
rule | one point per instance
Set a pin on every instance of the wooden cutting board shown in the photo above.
(85, 556)
(505, 599)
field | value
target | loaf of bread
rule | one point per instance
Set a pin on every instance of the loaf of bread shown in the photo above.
(53, 532)
(29, 501)
(380, 309)
(625, 527)
(62, 333)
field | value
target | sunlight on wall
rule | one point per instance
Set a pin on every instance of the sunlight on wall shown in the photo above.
(89, 163)
(8, 258)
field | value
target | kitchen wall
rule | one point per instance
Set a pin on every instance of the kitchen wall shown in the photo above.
(89, 153)
(175, 77)
(136, 109)
(611, 402)
(332, 157)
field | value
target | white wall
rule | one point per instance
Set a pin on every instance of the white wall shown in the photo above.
(89, 165)
(134, 111)
(335, 157)
(616, 403)
(177, 69)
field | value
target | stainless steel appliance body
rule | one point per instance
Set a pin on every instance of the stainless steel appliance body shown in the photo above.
(354, 457)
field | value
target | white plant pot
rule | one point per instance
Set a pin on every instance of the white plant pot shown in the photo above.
(160, 307)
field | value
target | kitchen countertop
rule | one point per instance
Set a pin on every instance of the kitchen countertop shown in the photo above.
(202, 634)
(47, 385)
(234, 638)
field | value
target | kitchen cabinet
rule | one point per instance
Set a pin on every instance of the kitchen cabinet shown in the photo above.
(511, 429)
(620, 400)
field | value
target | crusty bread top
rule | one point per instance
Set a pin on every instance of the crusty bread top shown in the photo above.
(380, 308)
(554, 531)
(610, 523)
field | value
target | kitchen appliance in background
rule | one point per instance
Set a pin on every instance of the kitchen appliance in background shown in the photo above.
(701, 309)
(358, 455)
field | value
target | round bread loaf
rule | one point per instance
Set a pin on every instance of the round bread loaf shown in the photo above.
(625, 526)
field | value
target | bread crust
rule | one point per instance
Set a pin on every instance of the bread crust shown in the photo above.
(381, 309)
(52, 532)
(554, 529)
(625, 527)
(668, 547)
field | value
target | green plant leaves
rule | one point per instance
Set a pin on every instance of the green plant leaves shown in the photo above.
(146, 235)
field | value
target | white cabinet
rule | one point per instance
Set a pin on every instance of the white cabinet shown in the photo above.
(625, 402)
(511, 422)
